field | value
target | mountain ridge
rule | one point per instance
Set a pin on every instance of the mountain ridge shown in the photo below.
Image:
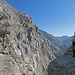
(57, 42)
(66, 40)
(23, 49)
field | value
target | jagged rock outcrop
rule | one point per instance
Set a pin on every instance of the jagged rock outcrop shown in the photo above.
(23, 50)
(64, 65)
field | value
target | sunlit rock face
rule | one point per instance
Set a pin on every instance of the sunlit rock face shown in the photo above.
(64, 65)
(23, 49)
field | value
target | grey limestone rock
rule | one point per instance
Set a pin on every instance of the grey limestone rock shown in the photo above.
(23, 49)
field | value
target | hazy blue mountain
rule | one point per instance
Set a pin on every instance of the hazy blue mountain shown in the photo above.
(56, 41)
(66, 40)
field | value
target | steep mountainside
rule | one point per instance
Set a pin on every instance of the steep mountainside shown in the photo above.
(23, 49)
(64, 65)
(55, 41)
(66, 40)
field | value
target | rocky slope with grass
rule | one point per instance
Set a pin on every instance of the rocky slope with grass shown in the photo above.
(23, 49)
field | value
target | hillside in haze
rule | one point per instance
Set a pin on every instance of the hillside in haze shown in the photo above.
(55, 41)
(66, 40)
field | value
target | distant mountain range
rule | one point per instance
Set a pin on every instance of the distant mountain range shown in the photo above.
(61, 42)
(66, 40)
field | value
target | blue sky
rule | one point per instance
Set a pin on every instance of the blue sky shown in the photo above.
(56, 17)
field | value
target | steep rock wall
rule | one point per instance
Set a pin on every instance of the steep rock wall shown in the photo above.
(23, 49)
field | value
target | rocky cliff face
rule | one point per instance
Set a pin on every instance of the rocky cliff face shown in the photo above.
(64, 65)
(23, 50)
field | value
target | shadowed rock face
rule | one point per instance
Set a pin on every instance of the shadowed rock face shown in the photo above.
(62, 66)
(23, 50)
